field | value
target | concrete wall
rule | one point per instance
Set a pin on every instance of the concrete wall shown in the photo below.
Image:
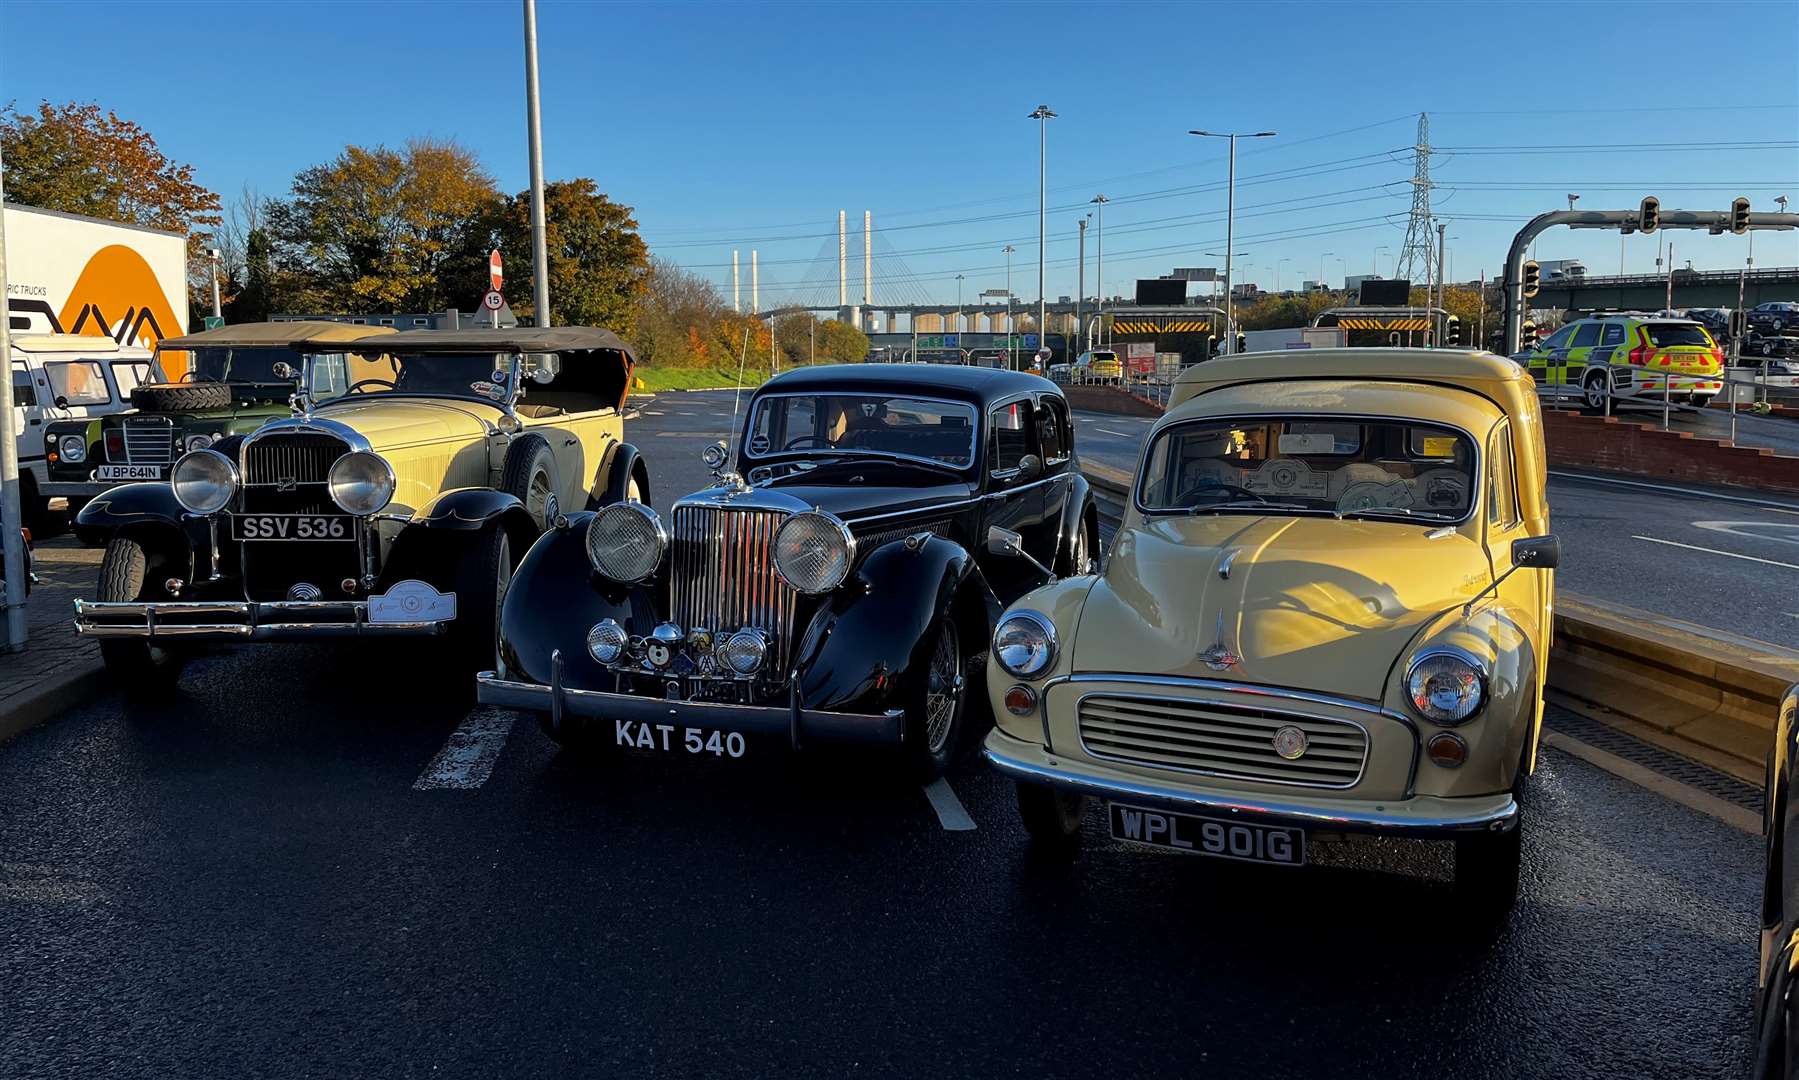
(1609, 444)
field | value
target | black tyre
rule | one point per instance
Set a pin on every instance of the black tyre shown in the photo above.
(180, 397)
(485, 575)
(530, 474)
(1051, 816)
(128, 572)
(1594, 389)
(935, 703)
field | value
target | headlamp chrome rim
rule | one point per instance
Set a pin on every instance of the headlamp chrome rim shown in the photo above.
(224, 481)
(655, 543)
(384, 481)
(1450, 652)
(196, 442)
(1044, 626)
(836, 526)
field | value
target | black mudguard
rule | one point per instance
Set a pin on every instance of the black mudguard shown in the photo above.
(857, 652)
(148, 513)
(443, 532)
(622, 460)
(554, 599)
(1075, 509)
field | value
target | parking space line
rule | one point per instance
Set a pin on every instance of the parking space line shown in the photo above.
(1109, 431)
(467, 758)
(949, 808)
(1715, 551)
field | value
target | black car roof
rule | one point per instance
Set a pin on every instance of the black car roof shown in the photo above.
(978, 384)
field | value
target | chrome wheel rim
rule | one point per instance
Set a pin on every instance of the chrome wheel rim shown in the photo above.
(537, 499)
(1595, 394)
(943, 689)
(502, 582)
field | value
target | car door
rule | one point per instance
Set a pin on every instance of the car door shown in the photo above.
(1609, 353)
(28, 418)
(1546, 360)
(562, 403)
(1525, 595)
(1580, 347)
(1015, 498)
(1055, 444)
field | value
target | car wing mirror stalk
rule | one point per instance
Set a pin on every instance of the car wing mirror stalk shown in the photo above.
(1003, 541)
(1528, 553)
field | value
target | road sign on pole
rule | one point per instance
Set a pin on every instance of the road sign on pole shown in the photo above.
(493, 301)
(494, 270)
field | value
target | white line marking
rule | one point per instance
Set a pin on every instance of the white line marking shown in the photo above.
(1109, 431)
(1665, 489)
(467, 759)
(948, 807)
(1691, 797)
(1741, 528)
(1715, 551)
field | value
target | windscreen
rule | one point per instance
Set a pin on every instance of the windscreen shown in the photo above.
(434, 374)
(241, 365)
(1661, 335)
(875, 424)
(1376, 468)
(77, 382)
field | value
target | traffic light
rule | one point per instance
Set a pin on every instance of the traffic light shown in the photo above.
(1527, 336)
(1649, 216)
(1533, 276)
(1454, 333)
(1739, 215)
(1242, 342)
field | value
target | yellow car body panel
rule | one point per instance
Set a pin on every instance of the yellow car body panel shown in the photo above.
(1307, 617)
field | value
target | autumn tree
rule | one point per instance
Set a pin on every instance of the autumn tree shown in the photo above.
(81, 159)
(599, 266)
(840, 343)
(378, 229)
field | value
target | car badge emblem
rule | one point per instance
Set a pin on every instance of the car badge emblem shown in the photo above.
(287, 483)
(1290, 742)
(1220, 656)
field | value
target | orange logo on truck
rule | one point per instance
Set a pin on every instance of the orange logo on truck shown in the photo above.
(118, 296)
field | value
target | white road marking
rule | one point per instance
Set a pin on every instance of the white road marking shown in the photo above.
(467, 759)
(1741, 528)
(1715, 551)
(1109, 431)
(1665, 489)
(948, 807)
(1693, 798)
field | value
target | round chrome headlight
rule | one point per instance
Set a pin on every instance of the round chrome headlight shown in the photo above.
(1445, 686)
(625, 542)
(813, 551)
(606, 641)
(196, 442)
(1025, 643)
(361, 483)
(73, 449)
(204, 481)
(743, 652)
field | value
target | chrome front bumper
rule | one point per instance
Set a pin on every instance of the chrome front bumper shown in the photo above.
(208, 620)
(1420, 815)
(790, 721)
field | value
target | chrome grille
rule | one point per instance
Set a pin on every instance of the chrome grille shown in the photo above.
(723, 574)
(1220, 739)
(285, 461)
(149, 440)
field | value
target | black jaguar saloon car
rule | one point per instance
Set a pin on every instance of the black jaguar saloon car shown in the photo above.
(838, 583)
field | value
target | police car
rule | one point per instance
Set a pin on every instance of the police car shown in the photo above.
(1644, 357)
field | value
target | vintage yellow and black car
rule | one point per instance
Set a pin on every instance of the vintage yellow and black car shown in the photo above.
(1327, 610)
(395, 502)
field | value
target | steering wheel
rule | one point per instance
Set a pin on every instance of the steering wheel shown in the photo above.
(807, 440)
(355, 386)
(1209, 484)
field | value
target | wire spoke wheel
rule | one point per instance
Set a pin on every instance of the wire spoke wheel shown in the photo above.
(943, 689)
(538, 496)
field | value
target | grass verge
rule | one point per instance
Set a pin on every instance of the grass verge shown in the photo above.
(684, 378)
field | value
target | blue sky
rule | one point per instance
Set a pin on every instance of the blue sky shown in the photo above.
(750, 126)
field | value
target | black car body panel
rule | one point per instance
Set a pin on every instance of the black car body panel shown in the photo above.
(1777, 1020)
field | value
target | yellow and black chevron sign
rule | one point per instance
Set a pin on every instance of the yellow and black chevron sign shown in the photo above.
(1384, 324)
(1161, 326)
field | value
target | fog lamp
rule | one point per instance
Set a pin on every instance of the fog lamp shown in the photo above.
(606, 641)
(743, 652)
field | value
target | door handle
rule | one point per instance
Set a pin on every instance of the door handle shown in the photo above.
(570, 441)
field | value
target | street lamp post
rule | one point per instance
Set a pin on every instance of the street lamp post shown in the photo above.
(958, 303)
(213, 254)
(1277, 272)
(1230, 225)
(1043, 115)
(1377, 252)
(540, 259)
(1011, 331)
(1099, 262)
(1321, 258)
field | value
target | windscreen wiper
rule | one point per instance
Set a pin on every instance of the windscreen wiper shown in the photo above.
(1245, 504)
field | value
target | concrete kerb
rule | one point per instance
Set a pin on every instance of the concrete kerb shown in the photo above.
(62, 690)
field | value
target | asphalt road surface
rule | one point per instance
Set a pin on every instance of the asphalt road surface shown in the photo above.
(1725, 558)
(323, 861)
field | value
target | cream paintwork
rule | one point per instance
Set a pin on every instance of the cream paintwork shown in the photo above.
(437, 444)
(1315, 605)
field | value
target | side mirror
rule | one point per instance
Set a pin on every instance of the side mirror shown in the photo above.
(1030, 467)
(1003, 541)
(62, 402)
(285, 370)
(1537, 553)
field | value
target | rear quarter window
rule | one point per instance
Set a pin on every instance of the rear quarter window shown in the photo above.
(1663, 335)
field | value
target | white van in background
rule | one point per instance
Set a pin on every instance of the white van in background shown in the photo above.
(65, 377)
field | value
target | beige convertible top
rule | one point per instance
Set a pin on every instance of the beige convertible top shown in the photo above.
(283, 334)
